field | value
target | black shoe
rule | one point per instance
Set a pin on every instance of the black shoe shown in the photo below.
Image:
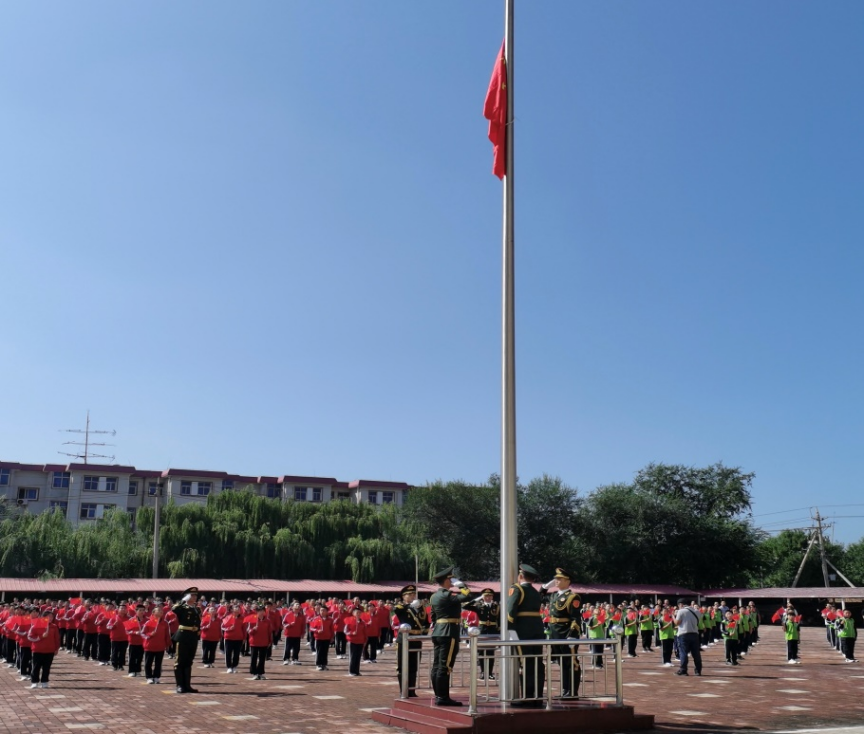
(181, 690)
(698, 672)
(412, 694)
(681, 672)
(447, 702)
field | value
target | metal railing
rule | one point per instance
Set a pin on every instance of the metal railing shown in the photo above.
(599, 660)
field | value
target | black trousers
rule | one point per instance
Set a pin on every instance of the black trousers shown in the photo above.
(533, 671)
(118, 654)
(232, 653)
(571, 673)
(647, 639)
(103, 648)
(136, 655)
(90, 646)
(208, 651)
(355, 654)
(80, 638)
(444, 651)
(731, 651)
(185, 651)
(153, 664)
(414, 655)
(292, 649)
(371, 651)
(340, 642)
(847, 647)
(322, 647)
(631, 644)
(259, 655)
(689, 644)
(26, 661)
(666, 647)
(41, 667)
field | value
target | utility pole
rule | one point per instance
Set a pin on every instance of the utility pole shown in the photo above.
(818, 537)
(821, 541)
(86, 455)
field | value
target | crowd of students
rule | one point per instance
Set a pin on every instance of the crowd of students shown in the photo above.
(134, 637)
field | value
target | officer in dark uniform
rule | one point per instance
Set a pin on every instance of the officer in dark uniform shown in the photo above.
(446, 626)
(523, 615)
(564, 624)
(186, 639)
(488, 619)
(410, 612)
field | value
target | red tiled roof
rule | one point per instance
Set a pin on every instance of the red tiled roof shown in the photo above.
(341, 485)
(359, 483)
(268, 480)
(308, 480)
(788, 592)
(194, 473)
(54, 467)
(113, 468)
(21, 467)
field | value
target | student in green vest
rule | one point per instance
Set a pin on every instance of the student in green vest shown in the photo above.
(631, 629)
(597, 631)
(791, 628)
(666, 632)
(646, 629)
(729, 632)
(754, 623)
(847, 634)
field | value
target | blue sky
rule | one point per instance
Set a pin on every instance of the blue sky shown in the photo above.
(264, 238)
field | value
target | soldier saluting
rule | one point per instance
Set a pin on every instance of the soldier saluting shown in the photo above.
(186, 638)
(446, 626)
(408, 613)
(564, 624)
(488, 619)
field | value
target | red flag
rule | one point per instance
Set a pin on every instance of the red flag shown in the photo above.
(798, 618)
(601, 617)
(777, 615)
(495, 110)
(586, 615)
(617, 617)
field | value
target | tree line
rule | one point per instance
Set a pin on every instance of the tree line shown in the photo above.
(672, 524)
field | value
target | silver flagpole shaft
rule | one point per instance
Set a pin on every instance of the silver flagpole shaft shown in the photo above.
(509, 561)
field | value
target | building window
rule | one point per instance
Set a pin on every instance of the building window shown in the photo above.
(110, 484)
(60, 480)
(192, 489)
(4, 477)
(316, 494)
(227, 485)
(28, 494)
(61, 505)
(387, 498)
(152, 488)
(274, 491)
(92, 511)
(373, 498)
(91, 484)
(133, 487)
(300, 494)
(343, 496)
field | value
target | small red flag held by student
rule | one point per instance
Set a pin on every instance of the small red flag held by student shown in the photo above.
(495, 110)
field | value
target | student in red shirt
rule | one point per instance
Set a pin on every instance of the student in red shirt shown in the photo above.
(234, 631)
(293, 627)
(44, 637)
(133, 628)
(25, 662)
(355, 632)
(373, 629)
(260, 633)
(157, 638)
(339, 640)
(211, 633)
(116, 627)
(322, 631)
(91, 633)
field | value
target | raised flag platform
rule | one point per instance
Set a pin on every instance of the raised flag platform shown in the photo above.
(422, 716)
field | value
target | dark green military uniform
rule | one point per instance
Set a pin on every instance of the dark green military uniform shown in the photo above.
(416, 620)
(564, 624)
(523, 614)
(446, 628)
(489, 622)
(186, 638)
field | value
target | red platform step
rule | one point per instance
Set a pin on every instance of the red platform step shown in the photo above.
(423, 717)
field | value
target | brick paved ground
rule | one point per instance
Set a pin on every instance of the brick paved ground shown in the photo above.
(763, 693)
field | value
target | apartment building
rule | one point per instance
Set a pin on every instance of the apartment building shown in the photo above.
(83, 492)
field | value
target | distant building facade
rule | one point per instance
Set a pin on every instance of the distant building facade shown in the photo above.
(83, 492)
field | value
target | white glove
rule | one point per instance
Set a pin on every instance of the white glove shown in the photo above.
(416, 603)
(550, 584)
(456, 583)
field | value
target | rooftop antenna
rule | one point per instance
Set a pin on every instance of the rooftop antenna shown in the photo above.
(86, 455)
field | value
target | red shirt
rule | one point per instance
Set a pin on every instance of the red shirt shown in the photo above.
(116, 627)
(156, 636)
(260, 632)
(372, 626)
(133, 629)
(210, 628)
(22, 629)
(322, 628)
(42, 642)
(294, 625)
(355, 631)
(233, 628)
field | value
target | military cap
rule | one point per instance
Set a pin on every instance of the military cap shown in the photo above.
(560, 573)
(529, 572)
(191, 590)
(486, 591)
(410, 589)
(443, 574)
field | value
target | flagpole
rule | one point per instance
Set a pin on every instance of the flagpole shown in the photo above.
(509, 560)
